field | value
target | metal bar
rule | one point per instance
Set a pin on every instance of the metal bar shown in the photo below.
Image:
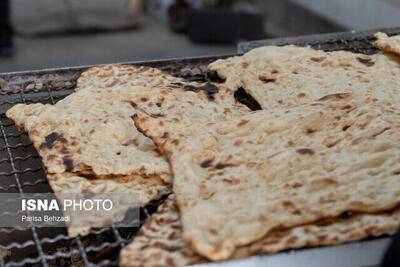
(146, 212)
(20, 172)
(17, 146)
(7, 188)
(83, 251)
(120, 240)
(15, 135)
(18, 245)
(8, 125)
(108, 263)
(20, 158)
(50, 94)
(103, 246)
(24, 262)
(22, 96)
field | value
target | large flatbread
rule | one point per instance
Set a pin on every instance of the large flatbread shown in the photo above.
(134, 190)
(88, 132)
(237, 181)
(72, 145)
(91, 130)
(159, 241)
(65, 135)
(112, 94)
(124, 75)
(287, 76)
(187, 104)
(388, 44)
(165, 95)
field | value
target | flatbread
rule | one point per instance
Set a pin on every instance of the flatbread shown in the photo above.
(166, 95)
(23, 113)
(280, 168)
(290, 75)
(141, 190)
(187, 104)
(91, 130)
(102, 137)
(159, 241)
(388, 44)
(124, 75)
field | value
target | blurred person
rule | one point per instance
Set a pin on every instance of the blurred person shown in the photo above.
(135, 7)
(178, 16)
(6, 32)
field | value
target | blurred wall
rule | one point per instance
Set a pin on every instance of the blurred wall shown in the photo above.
(39, 16)
(357, 14)
(289, 18)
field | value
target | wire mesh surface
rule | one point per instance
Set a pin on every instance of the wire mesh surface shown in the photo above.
(21, 169)
(21, 172)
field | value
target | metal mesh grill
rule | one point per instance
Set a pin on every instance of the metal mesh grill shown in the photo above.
(21, 172)
(21, 168)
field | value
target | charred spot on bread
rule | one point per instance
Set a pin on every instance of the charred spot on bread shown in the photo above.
(51, 139)
(266, 80)
(209, 89)
(366, 61)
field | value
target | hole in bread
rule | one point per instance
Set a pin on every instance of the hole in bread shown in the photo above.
(246, 99)
(212, 76)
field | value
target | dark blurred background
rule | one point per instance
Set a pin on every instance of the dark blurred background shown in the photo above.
(37, 34)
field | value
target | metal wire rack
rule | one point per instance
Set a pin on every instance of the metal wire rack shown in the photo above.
(21, 172)
(21, 169)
